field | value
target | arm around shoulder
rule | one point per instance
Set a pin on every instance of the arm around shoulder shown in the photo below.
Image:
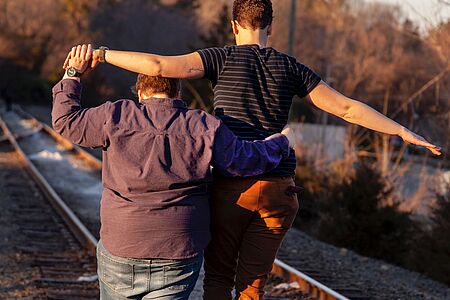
(234, 157)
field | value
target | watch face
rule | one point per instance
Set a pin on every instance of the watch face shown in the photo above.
(71, 72)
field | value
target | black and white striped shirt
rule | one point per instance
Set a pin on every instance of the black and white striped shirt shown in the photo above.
(253, 91)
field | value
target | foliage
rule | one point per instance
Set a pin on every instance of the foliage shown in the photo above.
(355, 216)
(23, 86)
(432, 249)
(220, 33)
(352, 211)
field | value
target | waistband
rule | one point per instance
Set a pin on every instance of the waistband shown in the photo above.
(220, 178)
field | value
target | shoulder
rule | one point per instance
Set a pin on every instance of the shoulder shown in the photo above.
(201, 119)
(121, 104)
(292, 62)
(281, 56)
(117, 109)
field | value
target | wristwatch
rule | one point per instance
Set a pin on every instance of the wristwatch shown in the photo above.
(101, 57)
(72, 72)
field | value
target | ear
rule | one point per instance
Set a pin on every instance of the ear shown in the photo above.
(234, 27)
(269, 30)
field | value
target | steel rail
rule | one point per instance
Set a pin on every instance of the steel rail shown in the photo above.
(82, 234)
(60, 139)
(307, 284)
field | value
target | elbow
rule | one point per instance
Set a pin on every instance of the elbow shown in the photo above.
(350, 112)
(60, 127)
(347, 116)
(57, 126)
(153, 67)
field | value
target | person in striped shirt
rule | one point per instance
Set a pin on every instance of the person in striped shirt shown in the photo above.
(253, 89)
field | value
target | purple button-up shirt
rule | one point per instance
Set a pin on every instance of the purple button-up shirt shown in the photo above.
(156, 168)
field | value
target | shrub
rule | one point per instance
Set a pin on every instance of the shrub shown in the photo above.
(432, 249)
(356, 215)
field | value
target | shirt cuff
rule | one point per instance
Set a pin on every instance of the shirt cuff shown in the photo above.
(67, 86)
(282, 141)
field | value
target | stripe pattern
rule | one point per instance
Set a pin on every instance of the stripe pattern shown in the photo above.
(253, 91)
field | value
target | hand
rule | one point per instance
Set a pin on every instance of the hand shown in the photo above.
(79, 58)
(410, 137)
(95, 58)
(289, 133)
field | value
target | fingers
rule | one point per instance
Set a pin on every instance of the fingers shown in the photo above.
(285, 130)
(94, 63)
(73, 53)
(78, 51)
(420, 141)
(415, 139)
(88, 52)
(83, 52)
(95, 58)
(435, 150)
(66, 62)
(423, 143)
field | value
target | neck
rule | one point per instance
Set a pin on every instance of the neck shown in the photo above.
(248, 37)
(159, 96)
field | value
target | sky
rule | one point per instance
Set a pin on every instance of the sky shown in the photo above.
(426, 13)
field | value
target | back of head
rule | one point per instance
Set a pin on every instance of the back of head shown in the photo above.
(253, 14)
(153, 85)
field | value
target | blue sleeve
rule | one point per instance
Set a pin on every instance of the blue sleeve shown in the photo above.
(82, 126)
(234, 157)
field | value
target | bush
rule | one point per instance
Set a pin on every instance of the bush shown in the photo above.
(432, 249)
(23, 85)
(356, 215)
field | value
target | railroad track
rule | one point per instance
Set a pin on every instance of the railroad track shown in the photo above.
(53, 260)
(34, 141)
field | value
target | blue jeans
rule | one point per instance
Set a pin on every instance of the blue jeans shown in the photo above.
(128, 278)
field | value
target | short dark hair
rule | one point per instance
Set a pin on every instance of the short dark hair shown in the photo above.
(151, 85)
(256, 14)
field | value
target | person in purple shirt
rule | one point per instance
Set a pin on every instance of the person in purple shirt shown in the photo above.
(156, 168)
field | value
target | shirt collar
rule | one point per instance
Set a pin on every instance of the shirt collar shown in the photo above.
(167, 102)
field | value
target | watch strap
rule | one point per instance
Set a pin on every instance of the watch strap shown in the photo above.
(102, 53)
(72, 72)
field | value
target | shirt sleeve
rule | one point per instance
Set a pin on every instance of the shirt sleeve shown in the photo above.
(234, 157)
(213, 61)
(307, 80)
(82, 126)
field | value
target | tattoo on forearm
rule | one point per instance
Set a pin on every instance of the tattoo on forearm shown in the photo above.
(192, 70)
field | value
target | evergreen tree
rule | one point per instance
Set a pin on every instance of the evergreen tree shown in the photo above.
(355, 216)
(432, 250)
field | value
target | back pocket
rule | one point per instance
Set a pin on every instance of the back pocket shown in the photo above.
(182, 275)
(117, 275)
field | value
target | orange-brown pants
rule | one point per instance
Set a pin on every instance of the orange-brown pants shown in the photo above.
(249, 219)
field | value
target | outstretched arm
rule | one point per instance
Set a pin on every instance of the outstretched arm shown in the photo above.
(352, 111)
(188, 66)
